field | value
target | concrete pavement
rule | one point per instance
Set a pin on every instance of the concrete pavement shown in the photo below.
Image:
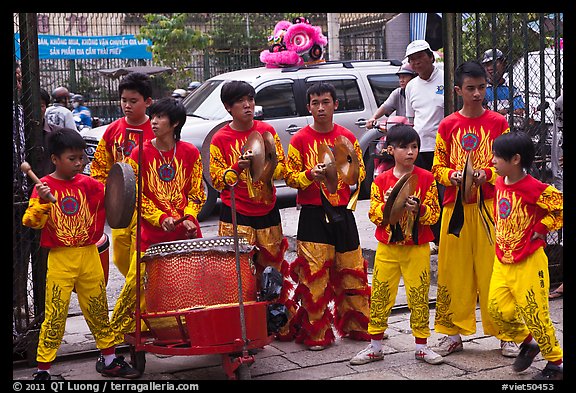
(480, 360)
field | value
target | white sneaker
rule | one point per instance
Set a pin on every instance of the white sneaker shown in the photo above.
(367, 355)
(509, 349)
(448, 346)
(429, 356)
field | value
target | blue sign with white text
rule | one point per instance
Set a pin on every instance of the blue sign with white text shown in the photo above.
(89, 47)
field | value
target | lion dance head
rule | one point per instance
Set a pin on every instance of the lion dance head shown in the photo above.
(294, 44)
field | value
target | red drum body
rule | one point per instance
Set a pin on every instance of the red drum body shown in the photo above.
(104, 250)
(197, 273)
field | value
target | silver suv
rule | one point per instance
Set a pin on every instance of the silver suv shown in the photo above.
(361, 87)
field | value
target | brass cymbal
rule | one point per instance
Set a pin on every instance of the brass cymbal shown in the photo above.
(394, 207)
(270, 157)
(346, 160)
(326, 158)
(468, 186)
(255, 151)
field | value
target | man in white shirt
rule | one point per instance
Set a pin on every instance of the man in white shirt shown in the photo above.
(425, 109)
(424, 99)
(58, 113)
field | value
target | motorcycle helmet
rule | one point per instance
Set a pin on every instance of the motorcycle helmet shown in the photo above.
(179, 93)
(60, 94)
(406, 69)
(193, 85)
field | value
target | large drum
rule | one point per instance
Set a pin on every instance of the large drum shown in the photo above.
(196, 273)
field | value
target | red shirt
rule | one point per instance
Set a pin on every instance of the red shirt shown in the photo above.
(429, 208)
(226, 147)
(75, 220)
(520, 209)
(171, 187)
(116, 137)
(456, 136)
(303, 156)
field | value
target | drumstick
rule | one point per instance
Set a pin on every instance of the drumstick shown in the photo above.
(27, 169)
(181, 219)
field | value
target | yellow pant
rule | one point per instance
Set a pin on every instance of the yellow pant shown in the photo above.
(123, 320)
(519, 302)
(412, 263)
(124, 246)
(68, 268)
(464, 271)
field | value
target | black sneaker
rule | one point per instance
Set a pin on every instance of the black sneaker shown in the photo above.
(41, 376)
(100, 364)
(551, 372)
(526, 356)
(119, 368)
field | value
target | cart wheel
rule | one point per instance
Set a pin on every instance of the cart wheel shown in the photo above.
(138, 359)
(243, 372)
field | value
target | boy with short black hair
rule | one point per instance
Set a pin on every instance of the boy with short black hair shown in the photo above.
(525, 210)
(135, 93)
(172, 189)
(330, 265)
(466, 252)
(402, 251)
(71, 227)
(257, 212)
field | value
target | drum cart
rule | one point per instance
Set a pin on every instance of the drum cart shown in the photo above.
(231, 330)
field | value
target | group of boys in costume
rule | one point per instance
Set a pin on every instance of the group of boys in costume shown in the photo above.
(491, 246)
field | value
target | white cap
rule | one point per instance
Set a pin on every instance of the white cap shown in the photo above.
(179, 93)
(417, 46)
(490, 54)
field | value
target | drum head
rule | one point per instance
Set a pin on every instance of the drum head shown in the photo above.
(394, 207)
(120, 195)
(326, 157)
(346, 160)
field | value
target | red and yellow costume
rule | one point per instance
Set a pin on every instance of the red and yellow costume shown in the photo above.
(166, 192)
(330, 265)
(520, 280)
(115, 146)
(71, 227)
(408, 258)
(258, 216)
(465, 261)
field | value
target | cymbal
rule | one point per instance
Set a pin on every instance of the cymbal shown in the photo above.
(394, 207)
(326, 158)
(254, 146)
(346, 160)
(120, 195)
(468, 186)
(270, 157)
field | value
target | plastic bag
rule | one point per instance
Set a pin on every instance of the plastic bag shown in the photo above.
(271, 284)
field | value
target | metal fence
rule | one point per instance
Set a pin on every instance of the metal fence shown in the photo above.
(531, 44)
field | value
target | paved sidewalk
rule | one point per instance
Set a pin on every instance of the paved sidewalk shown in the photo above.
(480, 360)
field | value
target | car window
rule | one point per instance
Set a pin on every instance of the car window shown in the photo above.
(277, 101)
(382, 86)
(205, 103)
(347, 91)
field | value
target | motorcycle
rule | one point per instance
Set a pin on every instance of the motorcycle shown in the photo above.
(382, 160)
